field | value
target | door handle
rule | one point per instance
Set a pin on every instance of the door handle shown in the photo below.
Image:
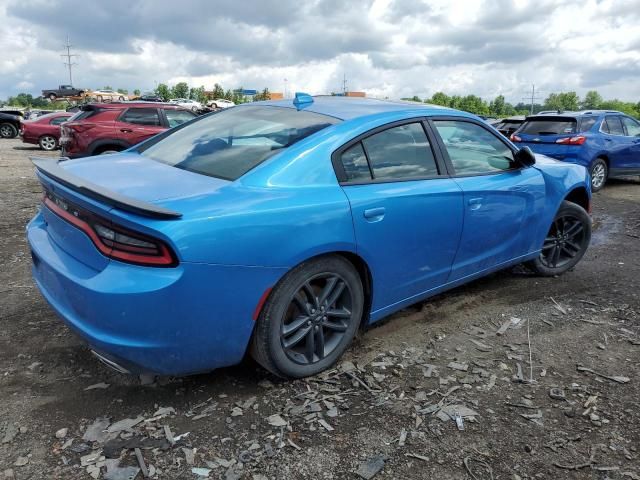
(474, 203)
(374, 214)
(126, 130)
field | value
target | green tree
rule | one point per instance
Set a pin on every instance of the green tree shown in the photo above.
(163, 91)
(124, 91)
(197, 94)
(263, 95)
(474, 104)
(592, 100)
(180, 90)
(497, 107)
(228, 95)
(562, 101)
(136, 92)
(439, 98)
(107, 87)
(218, 91)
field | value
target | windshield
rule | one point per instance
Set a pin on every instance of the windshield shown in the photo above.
(230, 143)
(549, 126)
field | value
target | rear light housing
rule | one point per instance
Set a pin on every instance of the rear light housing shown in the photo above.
(577, 140)
(515, 138)
(79, 127)
(113, 241)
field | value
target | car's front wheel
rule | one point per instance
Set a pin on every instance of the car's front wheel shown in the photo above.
(48, 142)
(310, 318)
(8, 130)
(599, 173)
(566, 242)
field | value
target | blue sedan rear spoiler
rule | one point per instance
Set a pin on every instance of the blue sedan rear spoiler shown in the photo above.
(50, 168)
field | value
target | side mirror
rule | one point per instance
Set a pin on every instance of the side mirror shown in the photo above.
(525, 157)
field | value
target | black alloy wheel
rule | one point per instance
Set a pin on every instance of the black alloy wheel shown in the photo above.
(566, 242)
(309, 318)
(317, 319)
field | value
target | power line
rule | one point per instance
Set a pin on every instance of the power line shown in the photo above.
(533, 97)
(69, 56)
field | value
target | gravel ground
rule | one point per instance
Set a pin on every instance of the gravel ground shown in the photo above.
(503, 355)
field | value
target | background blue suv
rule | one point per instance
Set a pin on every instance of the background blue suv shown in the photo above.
(606, 142)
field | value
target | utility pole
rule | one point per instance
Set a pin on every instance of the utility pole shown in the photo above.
(344, 84)
(533, 97)
(69, 56)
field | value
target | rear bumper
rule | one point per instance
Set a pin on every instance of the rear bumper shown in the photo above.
(168, 321)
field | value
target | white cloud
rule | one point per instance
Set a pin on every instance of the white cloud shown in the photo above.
(388, 48)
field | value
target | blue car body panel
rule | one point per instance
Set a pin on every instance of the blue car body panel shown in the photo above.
(237, 239)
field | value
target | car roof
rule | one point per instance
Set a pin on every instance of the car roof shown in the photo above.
(347, 108)
(577, 113)
(115, 105)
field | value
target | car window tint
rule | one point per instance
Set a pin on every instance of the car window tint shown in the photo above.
(473, 149)
(587, 122)
(177, 117)
(400, 152)
(141, 116)
(614, 126)
(549, 126)
(633, 127)
(58, 120)
(355, 164)
(233, 141)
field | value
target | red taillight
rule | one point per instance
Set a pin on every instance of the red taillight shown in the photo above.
(577, 140)
(515, 138)
(79, 127)
(111, 240)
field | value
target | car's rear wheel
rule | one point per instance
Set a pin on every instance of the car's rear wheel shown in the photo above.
(52, 97)
(99, 98)
(48, 142)
(310, 318)
(599, 173)
(566, 242)
(8, 130)
(121, 99)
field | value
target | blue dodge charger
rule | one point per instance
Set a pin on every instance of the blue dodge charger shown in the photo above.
(280, 228)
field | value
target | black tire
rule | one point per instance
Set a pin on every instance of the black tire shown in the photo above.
(48, 143)
(566, 242)
(109, 151)
(289, 305)
(52, 97)
(598, 173)
(99, 98)
(8, 130)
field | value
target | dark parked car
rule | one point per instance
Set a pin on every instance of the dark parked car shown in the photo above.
(507, 126)
(9, 124)
(149, 98)
(44, 130)
(606, 142)
(112, 127)
(61, 92)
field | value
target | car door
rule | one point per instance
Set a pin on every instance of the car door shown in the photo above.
(407, 214)
(137, 124)
(501, 199)
(630, 160)
(616, 143)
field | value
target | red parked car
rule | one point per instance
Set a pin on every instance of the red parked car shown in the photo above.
(111, 127)
(44, 130)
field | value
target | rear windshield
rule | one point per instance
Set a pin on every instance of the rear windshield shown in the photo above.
(230, 143)
(549, 126)
(82, 114)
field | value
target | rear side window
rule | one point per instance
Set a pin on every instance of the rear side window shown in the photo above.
(355, 164)
(178, 117)
(141, 116)
(401, 152)
(58, 120)
(632, 127)
(549, 126)
(612, 125)
(230, 143)
(587, 122)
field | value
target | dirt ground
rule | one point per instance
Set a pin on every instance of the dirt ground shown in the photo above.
(388, 411)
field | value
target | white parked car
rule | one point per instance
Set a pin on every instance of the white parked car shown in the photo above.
(220, 103)
(108, 96)
(187, 103)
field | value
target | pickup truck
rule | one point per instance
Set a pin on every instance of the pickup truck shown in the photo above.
(61, 92)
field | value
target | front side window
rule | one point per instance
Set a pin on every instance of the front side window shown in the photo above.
(230, 143)
(141, 116)
(612, 125)
(178, 117)
(472, 149)
(632, 127)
